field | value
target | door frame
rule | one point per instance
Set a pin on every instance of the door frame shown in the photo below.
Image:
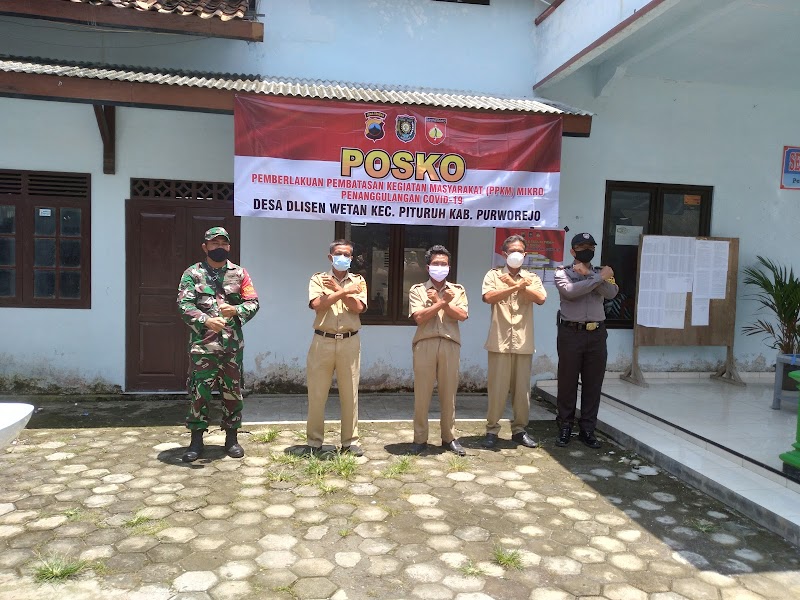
(185, 249)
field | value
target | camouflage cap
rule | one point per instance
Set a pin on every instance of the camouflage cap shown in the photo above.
(215, 232)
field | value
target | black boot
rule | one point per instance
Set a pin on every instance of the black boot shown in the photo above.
(232, 446)
(564, 435)
(588, 438)
(195, 448)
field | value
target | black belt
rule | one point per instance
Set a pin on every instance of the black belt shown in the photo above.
(336, 336)
(581, 325)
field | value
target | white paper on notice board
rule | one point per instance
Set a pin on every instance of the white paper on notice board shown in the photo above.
(710, 269)
(700, 308)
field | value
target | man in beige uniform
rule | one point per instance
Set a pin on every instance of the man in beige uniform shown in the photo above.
(436, 306)
(338, 298)
(511, 291)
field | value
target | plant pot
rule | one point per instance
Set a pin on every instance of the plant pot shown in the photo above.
(785, 387)
(789, 384)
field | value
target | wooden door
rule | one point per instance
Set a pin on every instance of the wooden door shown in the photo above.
(162, 239)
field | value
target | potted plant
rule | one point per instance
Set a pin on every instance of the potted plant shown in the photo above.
(779, 293)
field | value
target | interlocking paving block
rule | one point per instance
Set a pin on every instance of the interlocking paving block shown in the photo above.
(264, 527)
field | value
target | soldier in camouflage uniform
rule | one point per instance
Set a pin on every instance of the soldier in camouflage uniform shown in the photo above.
(215, 298)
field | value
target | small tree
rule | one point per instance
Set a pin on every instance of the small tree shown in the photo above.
(778, 292)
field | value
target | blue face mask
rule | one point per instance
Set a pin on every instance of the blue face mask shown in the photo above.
(340, 262)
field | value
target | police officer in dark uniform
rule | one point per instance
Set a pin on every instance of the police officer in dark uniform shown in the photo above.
(582, 339)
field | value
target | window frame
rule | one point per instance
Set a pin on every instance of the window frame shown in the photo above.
(397, 237)
(25, 206)
(655, 220)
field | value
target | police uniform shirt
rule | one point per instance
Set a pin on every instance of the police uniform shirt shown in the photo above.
(338, 318)
(582, 295)
(443, 325)
(511, 329)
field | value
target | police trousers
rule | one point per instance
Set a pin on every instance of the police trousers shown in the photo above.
(580, 353)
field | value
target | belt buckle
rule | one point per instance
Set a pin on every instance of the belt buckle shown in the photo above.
(591, 326)
(338, 336)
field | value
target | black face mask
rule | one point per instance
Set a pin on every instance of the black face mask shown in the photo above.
(218, 254)
(584, 256)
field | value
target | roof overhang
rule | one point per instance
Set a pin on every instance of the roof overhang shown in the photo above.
(110, 16)
(205, 92)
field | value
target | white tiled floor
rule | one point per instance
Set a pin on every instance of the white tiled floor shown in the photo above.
(736, 418)
(739, 418)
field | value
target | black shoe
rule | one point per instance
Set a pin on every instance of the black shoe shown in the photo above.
(454, 447)
(195, 449)
(353, 449)
(232, 446)
(490, 441)
(524, 439)
(418, 448)
(313, 451)
(587, 437)
(564, 435)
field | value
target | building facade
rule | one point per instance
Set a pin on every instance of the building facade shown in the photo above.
(672, 104)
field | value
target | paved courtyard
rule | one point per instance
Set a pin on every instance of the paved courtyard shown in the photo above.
(119, 506)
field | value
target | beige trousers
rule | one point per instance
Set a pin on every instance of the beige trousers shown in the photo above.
(509, 372)
(326, 356)
(435, 360)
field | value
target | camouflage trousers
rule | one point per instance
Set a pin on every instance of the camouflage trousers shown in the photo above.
(205, 371)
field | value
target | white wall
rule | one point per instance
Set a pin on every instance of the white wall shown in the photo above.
(646, 130)
(73, 348)
(726, 137)
(413, 42)
(577, 24)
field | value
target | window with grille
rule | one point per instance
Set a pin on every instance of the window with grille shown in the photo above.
(45, 239)
(391, 258)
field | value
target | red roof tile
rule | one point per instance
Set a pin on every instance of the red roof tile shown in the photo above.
(205, 9)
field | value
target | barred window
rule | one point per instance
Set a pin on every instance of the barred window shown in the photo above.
(45, 239)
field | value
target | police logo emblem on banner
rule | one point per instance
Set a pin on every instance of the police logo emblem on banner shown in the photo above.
(435, 129)
(373, 127)
(405, 128)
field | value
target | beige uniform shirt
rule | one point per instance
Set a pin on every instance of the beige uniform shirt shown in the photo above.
(511, 329)
(338, 318)
(442, 325)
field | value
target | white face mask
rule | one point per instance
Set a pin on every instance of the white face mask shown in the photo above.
(515, 260)
(438, 273)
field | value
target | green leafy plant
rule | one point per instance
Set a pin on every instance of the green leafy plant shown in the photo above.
(508, 559)
(265, 437)
(344, 465)
(779, 293)
(470, 569)
(457, 463)
(58, 568)
(403, 465)
(142, 525)
(703, 525)
(316, 468)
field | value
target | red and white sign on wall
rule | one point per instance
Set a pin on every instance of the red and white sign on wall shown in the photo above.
(544, 250)
(299, 158)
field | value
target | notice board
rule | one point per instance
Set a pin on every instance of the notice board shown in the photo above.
(720, 330)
